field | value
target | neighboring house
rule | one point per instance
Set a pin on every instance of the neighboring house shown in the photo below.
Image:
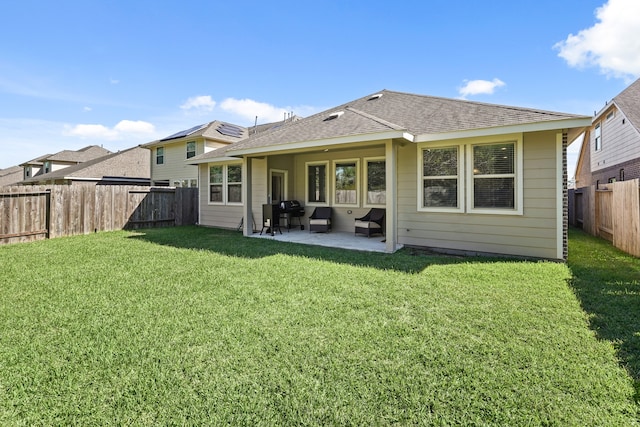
(611, 148)
(124, 167)
(168, 155)
(10, 176)
(451, 174)
(53, 162)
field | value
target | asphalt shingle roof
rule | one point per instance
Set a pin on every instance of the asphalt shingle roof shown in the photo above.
(629, 102)
(121, 163)
(394, 111)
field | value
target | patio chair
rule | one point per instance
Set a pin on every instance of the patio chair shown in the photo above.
(372, 223)
(320, 220)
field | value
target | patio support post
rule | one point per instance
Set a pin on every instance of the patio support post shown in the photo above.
(391, 225)
(247, 191)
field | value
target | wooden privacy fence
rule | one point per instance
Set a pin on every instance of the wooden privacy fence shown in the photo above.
(32, 213)
(612, 213)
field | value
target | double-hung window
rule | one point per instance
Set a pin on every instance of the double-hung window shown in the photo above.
(376, 186)
(441, 178)
(191, 149)
(225, 184)
(316, 183)
(234, 184)
(160, 156)
(346, 181)
(494, 177)
(598, 137)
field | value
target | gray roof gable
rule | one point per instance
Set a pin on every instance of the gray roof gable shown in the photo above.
(123, 163)
(628, 101)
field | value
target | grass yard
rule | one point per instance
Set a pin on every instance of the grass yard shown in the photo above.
(194, 326)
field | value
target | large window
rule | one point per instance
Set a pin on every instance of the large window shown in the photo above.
(440, 177)
(346, 182)
(483, 175)
(376, 184)
(191, 149)
(160, 156)
(234, 184)
(216, 182)
(225, 184)
(598, 137)
(494, 176)
(317, 183)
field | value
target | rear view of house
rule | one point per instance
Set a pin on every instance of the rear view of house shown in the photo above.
(450, 174)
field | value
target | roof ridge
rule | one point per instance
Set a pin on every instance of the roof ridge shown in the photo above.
(375, 118)
(486, 104)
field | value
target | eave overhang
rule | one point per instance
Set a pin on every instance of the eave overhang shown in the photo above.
(321, 143)
(578, 122)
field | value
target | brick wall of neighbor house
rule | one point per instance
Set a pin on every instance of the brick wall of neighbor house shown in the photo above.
(565, 199)
(631, 171)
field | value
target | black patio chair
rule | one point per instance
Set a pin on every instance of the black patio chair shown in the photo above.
(372, 223)
(320, 220)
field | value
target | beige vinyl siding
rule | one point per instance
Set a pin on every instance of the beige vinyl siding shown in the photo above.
(620, 142)
(531, 234)
(221, 216)
(210, 146)
(259, 186)
(175, 167)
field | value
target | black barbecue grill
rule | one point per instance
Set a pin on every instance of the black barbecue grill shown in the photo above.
(290, 209)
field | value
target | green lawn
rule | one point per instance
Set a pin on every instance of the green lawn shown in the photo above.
(193, 326)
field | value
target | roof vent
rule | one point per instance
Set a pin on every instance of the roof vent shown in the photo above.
(376, 96)
(334, 116)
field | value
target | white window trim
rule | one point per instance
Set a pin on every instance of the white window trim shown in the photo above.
(365, 179)
(597, 145)
(225, 187)
(517, 175)
(334, 191)
(157, 155)
(225, 183)
(421, 148)
(306, 183)
(195, 149)
(465, 175)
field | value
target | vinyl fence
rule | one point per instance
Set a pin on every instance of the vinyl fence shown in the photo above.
(612, 213)
(32, 213)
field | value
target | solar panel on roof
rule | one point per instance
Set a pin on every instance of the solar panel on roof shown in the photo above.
(184, 132)
(230, 130)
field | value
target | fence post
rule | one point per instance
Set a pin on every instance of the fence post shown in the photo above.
(47, 215)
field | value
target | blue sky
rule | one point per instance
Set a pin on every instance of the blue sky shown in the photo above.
(121, 73)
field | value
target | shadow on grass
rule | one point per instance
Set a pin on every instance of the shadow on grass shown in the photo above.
(233, 243)
(607, 282)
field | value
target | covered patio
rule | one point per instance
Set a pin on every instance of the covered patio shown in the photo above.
(334, 239)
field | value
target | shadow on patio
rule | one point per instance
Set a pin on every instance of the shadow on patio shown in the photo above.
(333, 239)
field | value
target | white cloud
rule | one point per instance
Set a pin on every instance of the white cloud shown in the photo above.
(480, 87)
(114, 81)
(202, 103)
(248, 109)
(124, 129)
(612, 44)
(87, 109)
(138, 126)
